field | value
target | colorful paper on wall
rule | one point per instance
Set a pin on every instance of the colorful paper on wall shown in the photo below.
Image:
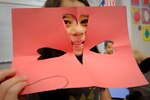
(145, 16)
(145, 2)
(136, 17)
(135, 2)
(34, 28)
(146, 33)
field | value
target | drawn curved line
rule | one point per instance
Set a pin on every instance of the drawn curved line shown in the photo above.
(67, 81)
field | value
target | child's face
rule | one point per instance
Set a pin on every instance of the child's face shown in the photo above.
(76, 30)
(109, 48)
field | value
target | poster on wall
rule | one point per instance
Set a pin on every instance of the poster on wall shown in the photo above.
(146, 33)
(136, 17)
(135, 2)
(145, 16)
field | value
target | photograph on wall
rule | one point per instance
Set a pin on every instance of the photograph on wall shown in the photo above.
(136, 16)
(145, 16)
(146, 33)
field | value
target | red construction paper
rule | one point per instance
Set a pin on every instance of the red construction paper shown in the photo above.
(146, 2)
(34, 28)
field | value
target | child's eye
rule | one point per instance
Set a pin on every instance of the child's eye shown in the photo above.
(67, 23)
(84, 22)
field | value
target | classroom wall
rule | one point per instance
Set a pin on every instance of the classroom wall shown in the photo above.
(136, 26)
(139, 37)
(6, 25)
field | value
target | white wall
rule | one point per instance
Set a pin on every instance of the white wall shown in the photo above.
(6, 25)
(25, 2)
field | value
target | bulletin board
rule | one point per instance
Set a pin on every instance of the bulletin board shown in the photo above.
(6, 25)
(140, 25)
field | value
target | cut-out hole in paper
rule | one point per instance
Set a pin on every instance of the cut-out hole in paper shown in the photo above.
(105, 47)
(76, 29)
(46, 53)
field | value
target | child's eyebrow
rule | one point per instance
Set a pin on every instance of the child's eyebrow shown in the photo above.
(67, 15)
(84, 16)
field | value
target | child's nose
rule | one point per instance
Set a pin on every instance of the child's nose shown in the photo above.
(78, 31)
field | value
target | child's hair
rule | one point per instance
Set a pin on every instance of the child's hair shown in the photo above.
(145, 65)
(106, 42)
(57, 3)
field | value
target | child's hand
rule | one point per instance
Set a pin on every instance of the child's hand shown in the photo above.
(10, 85)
